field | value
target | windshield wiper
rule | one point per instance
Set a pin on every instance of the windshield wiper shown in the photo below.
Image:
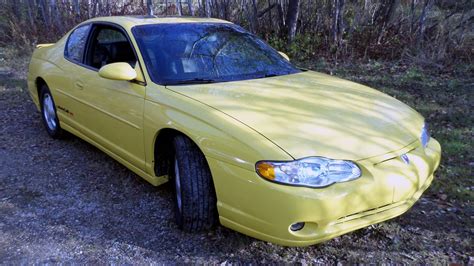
(262, 74)
(194, 81)
(271, 75)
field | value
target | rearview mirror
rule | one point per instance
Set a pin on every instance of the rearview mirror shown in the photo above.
(284, 55)
(118, 71)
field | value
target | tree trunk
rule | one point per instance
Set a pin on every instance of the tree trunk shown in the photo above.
(149, 7)
(412, 20)
(226, 9)
(191, 8)
(281, 19)
(44, 12)
(94, 7)
(178, 7)
(31, 17)
(422, 25)
(55, 19)
(199, 10)
(100, 8)
(335, 20)
(338, 26)
(76, 7)
(385, 12)
(358, 13)
(15, 7)
(217, 9)
(253, 17)
(270, 7)
(292, 19)
(208, 8)
(108, 9)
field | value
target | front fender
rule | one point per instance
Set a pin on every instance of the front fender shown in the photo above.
(218, 135)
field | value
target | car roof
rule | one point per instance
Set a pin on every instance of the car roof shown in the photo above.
(131, 21)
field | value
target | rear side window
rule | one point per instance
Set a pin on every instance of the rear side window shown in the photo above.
(76, 43)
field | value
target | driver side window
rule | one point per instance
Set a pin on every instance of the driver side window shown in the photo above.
(109, 45)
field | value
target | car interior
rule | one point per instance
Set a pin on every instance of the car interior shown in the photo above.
(109, 45)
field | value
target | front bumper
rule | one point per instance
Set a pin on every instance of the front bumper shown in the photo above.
(387, 188)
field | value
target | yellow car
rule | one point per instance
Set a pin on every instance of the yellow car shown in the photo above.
(279, 153)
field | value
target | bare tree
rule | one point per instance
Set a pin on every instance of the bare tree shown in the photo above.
(338, 27)
(55, 19)
(31, 17)
(379, 28)
(199, 10)
(292, 18)
(384, 15)
(44, 12)
(15, 7)
(252, 14)
(179, 8)
(422, 26)
(94, 7)
(76, 7)
(208, 8)
(281, 18)
(191, 7)
(149, 7)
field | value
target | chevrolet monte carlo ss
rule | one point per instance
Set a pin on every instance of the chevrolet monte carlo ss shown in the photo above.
(280, 153)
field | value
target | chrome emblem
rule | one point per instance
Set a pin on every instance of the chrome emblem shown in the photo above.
(405, 159)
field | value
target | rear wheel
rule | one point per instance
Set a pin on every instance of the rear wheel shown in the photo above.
(48, 113)
(195, 198)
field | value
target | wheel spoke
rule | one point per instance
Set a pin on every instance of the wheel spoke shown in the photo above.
(48, 111)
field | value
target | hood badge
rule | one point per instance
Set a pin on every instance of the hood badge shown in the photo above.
(405, 159)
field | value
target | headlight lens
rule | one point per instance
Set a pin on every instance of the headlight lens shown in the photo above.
(425, 135)
(311, 172)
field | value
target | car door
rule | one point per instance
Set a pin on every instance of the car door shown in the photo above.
(110, 111)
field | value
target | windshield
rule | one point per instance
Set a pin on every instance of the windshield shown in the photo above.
(206, 52)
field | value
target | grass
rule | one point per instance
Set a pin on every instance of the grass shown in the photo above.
(444, 98)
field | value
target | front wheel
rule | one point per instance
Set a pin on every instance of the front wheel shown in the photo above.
(48, 113)
(195, 197)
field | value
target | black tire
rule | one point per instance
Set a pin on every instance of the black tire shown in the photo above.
(52, 127)
(192, 182)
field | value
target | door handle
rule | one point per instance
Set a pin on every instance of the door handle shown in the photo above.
(79, 85)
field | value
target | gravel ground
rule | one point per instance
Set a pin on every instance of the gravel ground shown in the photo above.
(66, 201)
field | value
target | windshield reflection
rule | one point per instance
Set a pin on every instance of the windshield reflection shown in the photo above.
(206, 53)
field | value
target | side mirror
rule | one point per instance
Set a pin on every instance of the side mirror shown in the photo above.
(118, 71)
(284, 55)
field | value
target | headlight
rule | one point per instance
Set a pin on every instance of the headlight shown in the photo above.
(425, 135)
(311, 172)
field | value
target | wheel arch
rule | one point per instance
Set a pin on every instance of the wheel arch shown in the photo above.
(39, 82)
(163, 150)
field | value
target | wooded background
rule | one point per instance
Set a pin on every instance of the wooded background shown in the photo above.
(427, 32)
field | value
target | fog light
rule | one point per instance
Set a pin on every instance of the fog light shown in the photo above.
(297, 226)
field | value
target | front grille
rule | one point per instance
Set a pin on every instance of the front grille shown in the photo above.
(367, 212)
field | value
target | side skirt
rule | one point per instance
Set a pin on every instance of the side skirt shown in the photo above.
(154, 180)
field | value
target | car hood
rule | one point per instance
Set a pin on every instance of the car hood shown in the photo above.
(314, 114)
